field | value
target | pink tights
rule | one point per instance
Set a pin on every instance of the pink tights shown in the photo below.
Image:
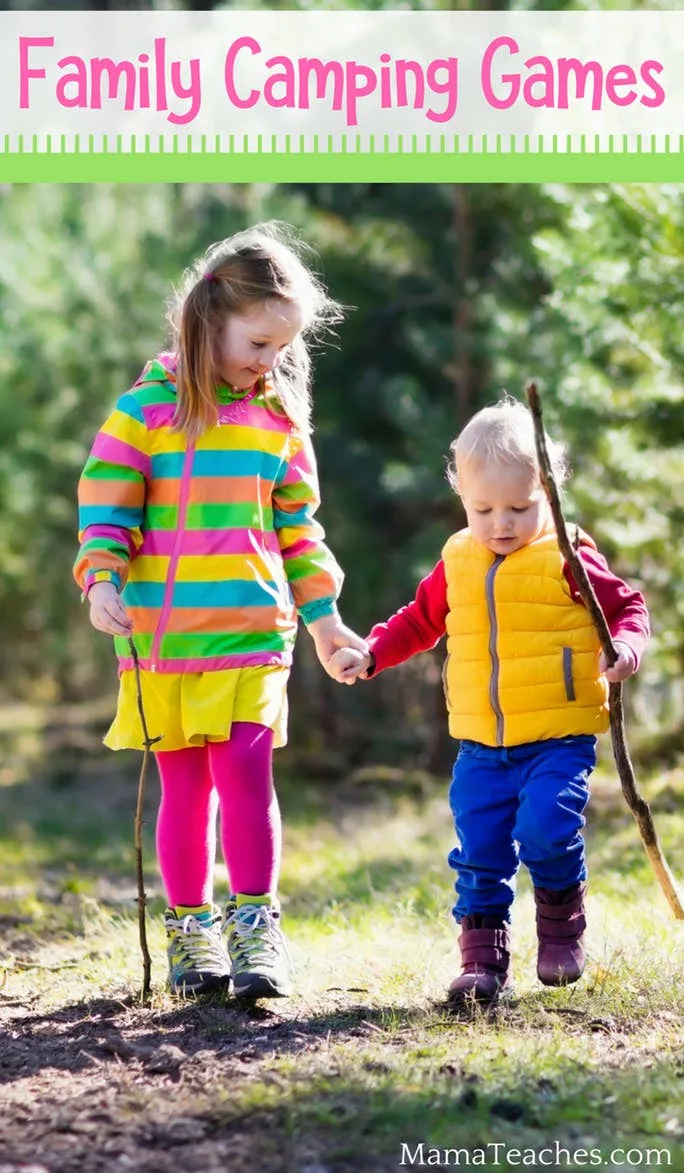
(237, 776)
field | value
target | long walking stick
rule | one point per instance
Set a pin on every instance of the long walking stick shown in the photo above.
(142, 896)
(636, 803)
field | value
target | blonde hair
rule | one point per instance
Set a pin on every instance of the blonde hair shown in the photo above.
(503, 434)
(234, 275)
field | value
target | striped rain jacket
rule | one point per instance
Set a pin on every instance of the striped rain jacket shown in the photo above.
(213, 544)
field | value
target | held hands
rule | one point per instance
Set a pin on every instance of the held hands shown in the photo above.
(107, 612)
(624, 666)
(347, 665)
(329, 634)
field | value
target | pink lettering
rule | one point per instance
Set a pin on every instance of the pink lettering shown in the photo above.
(160, 71)
(512, 80)
(647, 70)
(144, 59)
(581, 70)
(25, 72)
(618, 76)
(193, 91)
(285, 79)
(403, 69)
(321, 70)
(79, 79)
(449, 86)
(361, 81)
(113, 72)
(544, 79)
(229, 69)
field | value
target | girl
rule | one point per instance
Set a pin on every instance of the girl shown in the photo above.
(198, 541)
(526, 693)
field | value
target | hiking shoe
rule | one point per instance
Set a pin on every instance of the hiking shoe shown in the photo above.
(485, 950)
(198, 962)
(260, 966)
(560, 931)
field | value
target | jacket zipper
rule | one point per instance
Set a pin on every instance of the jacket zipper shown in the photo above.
(493, 654)
(186, 478)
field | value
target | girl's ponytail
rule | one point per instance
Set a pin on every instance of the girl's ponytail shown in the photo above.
(195, 375)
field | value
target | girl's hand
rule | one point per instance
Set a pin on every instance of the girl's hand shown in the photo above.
(329, 634)
(107, 612)
(347, 665)
(624, 666)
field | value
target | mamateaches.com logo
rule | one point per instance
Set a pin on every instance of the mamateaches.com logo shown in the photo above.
(552, 1157)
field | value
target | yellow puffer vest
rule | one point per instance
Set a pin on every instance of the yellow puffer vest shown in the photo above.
(522, 656)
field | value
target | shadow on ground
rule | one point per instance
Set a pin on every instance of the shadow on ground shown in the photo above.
(203, 1087)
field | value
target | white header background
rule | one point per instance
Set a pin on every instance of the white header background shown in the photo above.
(609, 38)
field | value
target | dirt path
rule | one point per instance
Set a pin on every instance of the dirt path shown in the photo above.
(103, 1086)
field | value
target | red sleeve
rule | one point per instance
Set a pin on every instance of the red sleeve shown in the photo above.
(623, 606)
(414, 628)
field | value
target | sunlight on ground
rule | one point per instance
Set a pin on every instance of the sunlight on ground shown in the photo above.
(366, 909)
(366, 1038)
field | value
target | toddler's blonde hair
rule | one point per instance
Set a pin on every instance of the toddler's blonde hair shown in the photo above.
(503, 434)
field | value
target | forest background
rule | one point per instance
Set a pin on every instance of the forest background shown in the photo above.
(455, 293)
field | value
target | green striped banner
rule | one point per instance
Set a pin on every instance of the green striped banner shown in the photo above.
(436, 159)
(532, 168)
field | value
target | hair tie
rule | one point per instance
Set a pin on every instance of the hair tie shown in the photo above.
(210, 277)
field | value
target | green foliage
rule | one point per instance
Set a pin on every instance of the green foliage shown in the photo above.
(75, 287)
(607, 348)
(454, 293)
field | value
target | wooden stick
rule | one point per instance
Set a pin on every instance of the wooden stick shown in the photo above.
(142, 896)
(636, 803)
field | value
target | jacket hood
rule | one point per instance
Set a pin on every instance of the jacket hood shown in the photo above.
(161, 369)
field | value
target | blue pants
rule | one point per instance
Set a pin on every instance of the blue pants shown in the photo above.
(523, 804)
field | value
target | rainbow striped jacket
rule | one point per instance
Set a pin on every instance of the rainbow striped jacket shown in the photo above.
(213, 544)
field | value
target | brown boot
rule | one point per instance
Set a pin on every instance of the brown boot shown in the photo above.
(560, 926)
(485, 951)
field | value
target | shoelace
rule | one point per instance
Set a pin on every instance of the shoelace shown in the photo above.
(255, 936)
(197, 943)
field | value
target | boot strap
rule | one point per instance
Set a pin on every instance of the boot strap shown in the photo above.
(485, 946)
(561, 911)
(560, 927)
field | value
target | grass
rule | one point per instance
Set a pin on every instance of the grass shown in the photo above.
(365, 1058)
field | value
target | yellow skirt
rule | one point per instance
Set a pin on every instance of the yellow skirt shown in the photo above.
(188, 709)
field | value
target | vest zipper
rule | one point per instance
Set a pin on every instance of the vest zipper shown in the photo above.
(567, 675)
(493, 654)
(183, 496)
